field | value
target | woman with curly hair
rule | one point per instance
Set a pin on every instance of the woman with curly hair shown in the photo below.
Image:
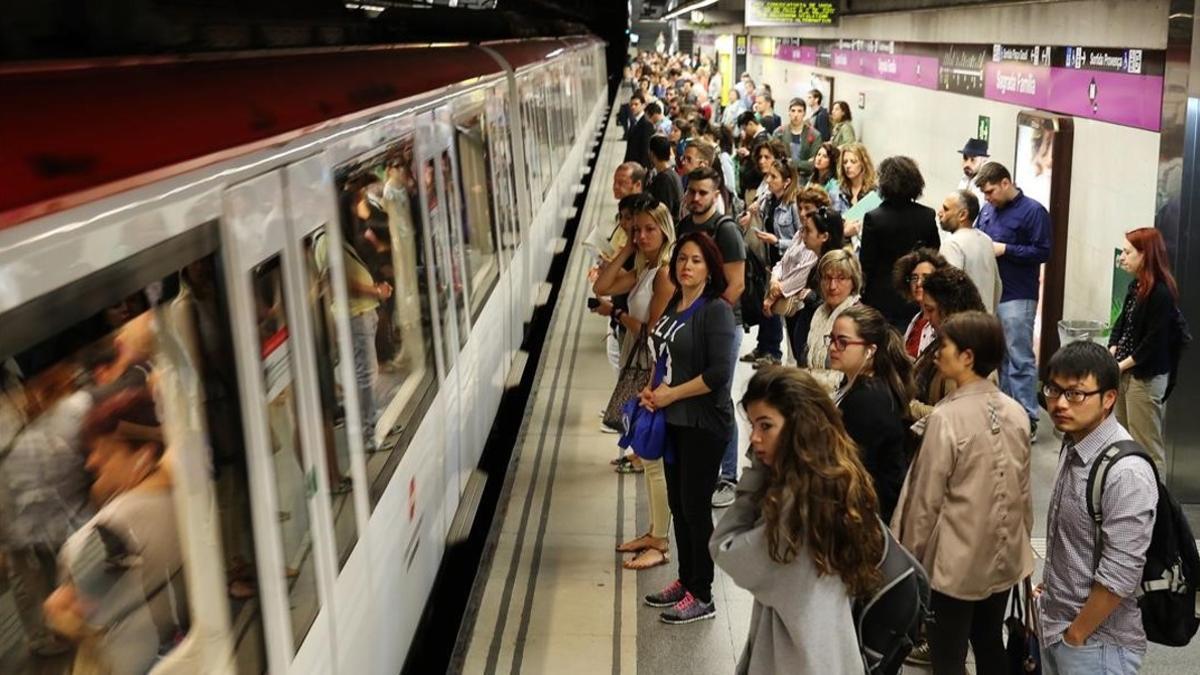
(947, 292)
(908, 277)
(802, 535)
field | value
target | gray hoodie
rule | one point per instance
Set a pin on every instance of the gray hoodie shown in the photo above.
(801, 620)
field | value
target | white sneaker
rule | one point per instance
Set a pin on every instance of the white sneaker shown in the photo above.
(605, 429)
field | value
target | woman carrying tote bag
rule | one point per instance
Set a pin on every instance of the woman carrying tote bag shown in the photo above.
(649, 287)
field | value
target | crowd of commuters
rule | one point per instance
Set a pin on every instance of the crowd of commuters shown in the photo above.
(914, 399)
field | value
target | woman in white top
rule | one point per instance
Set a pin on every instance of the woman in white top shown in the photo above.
(801, 535)
(794, 276)
(841, 280)
(649, 287)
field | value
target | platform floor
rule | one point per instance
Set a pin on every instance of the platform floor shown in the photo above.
(552, 596)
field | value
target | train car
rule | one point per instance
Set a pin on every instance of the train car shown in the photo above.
(257, 313)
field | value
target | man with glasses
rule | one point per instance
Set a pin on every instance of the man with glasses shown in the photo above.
(1090, 618)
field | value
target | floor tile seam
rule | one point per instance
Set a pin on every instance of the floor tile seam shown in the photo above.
(518, 559)
(573, 296)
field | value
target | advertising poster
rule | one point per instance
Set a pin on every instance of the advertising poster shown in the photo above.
(1034, 164)
(961, 68)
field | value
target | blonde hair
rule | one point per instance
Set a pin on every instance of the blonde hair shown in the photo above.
(842, 260)
(870, 179)
(662, 217)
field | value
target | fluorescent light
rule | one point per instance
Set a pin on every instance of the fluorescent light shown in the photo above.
(680, 11)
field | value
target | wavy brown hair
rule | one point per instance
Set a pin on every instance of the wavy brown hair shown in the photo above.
(818, 497)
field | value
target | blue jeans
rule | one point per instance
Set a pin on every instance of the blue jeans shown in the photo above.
(729, 461)
(1018, 371)
(1093, 658)
(770, 336)
(366, 368)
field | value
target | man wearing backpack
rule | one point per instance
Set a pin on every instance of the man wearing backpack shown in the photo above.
(1090, 619)
(700, 201)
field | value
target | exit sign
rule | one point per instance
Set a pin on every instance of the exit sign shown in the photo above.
(984, 129)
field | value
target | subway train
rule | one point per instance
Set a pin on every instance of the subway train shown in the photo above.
(257, 313)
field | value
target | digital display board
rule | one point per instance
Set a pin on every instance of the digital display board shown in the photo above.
(790, 13)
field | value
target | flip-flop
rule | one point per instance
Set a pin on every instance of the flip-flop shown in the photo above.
(633, 563)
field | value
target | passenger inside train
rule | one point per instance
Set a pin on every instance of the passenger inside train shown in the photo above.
(938, 402)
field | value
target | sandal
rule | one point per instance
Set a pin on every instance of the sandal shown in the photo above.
(241, 589)
(648, 558)
(636, 545)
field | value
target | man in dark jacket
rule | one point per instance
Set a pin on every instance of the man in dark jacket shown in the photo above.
(638, 138)
(801, 138)
(898, 226)
(818, 114)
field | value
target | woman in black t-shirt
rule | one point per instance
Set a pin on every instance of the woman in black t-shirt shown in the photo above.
(693, 340)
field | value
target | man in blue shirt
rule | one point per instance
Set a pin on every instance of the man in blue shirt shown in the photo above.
(1020, 230)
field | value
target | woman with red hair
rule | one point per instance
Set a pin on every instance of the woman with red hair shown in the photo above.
(1140, 339)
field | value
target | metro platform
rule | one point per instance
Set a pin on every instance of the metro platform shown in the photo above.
(551, 595)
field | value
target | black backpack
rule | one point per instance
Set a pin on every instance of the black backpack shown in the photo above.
(1167, 596)
(758, 279)
(888, 623)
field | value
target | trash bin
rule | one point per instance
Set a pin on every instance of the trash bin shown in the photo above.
(1074, 330)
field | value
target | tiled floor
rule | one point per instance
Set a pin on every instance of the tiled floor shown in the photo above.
(552, 596)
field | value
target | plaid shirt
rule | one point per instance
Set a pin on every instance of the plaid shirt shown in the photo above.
(1130, 498)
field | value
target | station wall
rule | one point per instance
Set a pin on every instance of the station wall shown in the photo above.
(1114, 172)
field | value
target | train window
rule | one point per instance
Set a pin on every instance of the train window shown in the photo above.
(499, 156)
(333, 428)
(530, 131)
(391, 322)
(545, 151)
(89, 532)
(483, 267)
(288, 467)
(453, 220)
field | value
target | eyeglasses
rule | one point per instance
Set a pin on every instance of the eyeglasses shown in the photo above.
(841, 342)
(833, 280)
(1073, 396)
(913, 278)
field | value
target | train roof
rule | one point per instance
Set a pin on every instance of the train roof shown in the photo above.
(73, 132)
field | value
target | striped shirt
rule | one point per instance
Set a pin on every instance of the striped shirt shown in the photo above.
(1130, 498)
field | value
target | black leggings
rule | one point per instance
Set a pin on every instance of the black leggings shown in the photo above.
(955, 622)
(690, 482)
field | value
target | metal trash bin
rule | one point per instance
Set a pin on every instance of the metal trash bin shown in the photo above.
(1074, 330)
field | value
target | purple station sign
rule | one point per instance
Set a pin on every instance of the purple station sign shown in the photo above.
(1119, 86)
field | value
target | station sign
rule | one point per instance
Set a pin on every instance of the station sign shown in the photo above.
(1121, 86)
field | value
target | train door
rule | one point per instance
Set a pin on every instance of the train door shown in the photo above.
(484, 266)
(124, 486)
(505, 200)
(433, 143)
(312, 229)
(289, 487)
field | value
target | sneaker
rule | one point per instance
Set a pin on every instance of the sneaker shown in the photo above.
(605, 429)
(668, 596)
(1033, 424)
(724, 494)
(751, 357)
(919, 656)
(767, 360)
(687, 610)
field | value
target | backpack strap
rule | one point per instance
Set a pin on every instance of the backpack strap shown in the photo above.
(1095, 485)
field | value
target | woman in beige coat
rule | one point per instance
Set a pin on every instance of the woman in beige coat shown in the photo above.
(965, 511)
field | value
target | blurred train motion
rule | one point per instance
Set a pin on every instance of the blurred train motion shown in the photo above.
(257, 313)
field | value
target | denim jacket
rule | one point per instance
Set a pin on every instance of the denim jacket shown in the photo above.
(787, 223)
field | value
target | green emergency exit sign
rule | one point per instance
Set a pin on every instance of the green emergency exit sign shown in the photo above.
(984, 130)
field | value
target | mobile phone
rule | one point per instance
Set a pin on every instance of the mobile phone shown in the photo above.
(593, 303)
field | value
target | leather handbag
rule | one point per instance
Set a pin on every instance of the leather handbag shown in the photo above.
(1024, 644)
(787, 307)
(635, 375)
